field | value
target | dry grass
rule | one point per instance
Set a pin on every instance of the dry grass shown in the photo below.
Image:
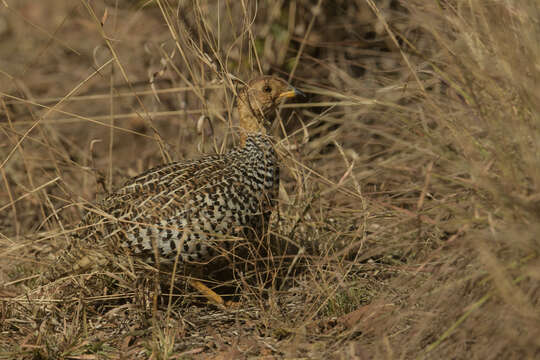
(411, 178)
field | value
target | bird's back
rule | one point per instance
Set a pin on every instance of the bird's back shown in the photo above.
(189, 209)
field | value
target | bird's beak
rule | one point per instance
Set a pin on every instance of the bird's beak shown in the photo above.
(290, 93)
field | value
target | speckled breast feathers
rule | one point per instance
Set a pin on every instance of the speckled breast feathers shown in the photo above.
(190, 211)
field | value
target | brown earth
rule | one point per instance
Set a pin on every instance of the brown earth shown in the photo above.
(408, 218)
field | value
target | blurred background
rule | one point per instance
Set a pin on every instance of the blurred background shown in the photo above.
(410, 192)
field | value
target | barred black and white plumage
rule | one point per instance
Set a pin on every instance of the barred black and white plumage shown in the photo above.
(181, 207)
(189, 211)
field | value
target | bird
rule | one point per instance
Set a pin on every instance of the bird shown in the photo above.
(189, 211)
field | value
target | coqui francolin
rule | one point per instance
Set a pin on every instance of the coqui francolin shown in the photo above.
(189, 211)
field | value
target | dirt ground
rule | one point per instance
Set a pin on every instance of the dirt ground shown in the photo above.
(409, 207)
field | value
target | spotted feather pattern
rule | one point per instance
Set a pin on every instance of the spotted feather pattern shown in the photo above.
(187, 210)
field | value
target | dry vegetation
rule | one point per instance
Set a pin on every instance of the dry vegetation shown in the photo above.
(410, 204)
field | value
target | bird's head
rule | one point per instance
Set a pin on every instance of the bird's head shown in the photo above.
(257, 101)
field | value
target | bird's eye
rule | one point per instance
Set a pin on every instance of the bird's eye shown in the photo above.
(267, 88)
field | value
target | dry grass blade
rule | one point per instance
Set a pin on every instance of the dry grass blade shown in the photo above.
(407, 224)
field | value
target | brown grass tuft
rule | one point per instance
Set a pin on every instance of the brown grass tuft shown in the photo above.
(408, 218)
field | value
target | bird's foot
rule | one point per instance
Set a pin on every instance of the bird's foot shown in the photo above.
(212, 296)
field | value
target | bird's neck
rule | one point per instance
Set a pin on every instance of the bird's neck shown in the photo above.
(259, 149)
(249, 123)
(258, 140)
